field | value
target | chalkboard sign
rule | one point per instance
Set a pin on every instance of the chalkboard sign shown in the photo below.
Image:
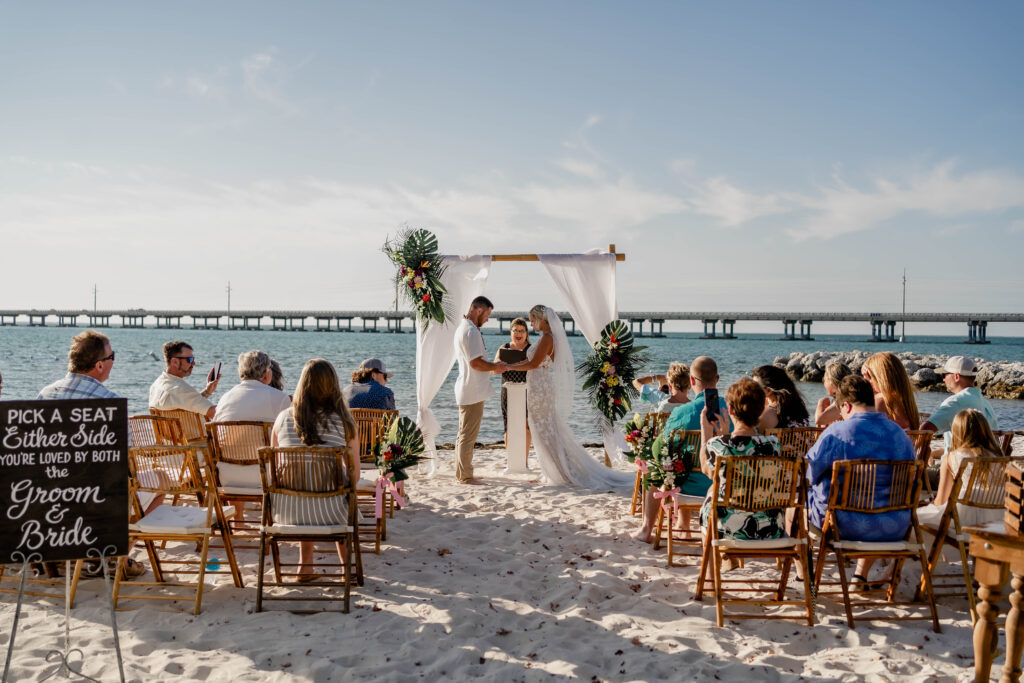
(63, 478)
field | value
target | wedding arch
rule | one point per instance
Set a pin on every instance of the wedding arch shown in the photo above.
(585, 281)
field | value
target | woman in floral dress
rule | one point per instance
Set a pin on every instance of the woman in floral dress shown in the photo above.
(745, 400)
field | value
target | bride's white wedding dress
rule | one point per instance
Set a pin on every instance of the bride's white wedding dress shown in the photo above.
(549, 389)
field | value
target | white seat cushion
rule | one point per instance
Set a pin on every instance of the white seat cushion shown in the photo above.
(299, 529)
(878, 546)
(240, 476)
(241, 491)
(174, 519)
(690, 500)
(367, 480)
(766, 544)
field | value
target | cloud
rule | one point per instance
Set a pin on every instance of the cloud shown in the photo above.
(604, 206)
(1016, 226)
(264, 77)
(731, 205)
(581, 167)
(939, 192)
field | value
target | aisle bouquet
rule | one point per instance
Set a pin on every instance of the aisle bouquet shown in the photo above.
(419, 270)
(610, 368)
(639, 434)
(671, 468)
(401, 447)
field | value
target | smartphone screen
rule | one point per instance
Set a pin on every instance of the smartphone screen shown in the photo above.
(711, 403)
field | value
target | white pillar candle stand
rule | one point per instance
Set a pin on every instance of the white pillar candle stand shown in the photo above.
(516, 412)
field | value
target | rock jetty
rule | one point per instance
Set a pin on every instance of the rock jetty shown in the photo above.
(996, 379)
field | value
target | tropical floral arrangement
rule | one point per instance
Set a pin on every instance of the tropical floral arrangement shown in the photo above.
(401, 447)
(419, 268)
(639, 434)
(609, 370)
(672, 467)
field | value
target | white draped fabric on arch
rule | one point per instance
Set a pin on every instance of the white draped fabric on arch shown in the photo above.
(587, 285)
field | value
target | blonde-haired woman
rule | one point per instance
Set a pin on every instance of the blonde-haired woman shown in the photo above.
(894, 395)
(318, 416)
(972, 437)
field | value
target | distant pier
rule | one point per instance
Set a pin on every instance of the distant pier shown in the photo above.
(883, 325)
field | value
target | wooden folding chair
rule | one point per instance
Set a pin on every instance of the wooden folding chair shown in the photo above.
(754, 484)
(372, 425)
(233, 461)
(1005, 438)
(307, 498)
(980, 483)
(54, 587)
(870, 487)
(681, 443)
(796, 441)
(656, 421)
(193, 425)
(172, 471)
(153, 430)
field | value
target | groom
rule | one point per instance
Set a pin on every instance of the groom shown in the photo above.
(473, 385)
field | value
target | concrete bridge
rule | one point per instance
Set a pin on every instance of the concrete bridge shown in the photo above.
(883, 325)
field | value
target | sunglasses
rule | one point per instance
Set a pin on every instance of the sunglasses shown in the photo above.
(110, 357)
(188, 359)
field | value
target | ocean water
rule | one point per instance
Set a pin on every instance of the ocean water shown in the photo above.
(31, 358)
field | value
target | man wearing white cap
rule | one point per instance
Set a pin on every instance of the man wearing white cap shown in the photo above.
(369, 387)
(958, 375)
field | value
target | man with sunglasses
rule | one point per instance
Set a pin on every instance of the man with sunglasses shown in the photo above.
(170, 391)
(90, 361)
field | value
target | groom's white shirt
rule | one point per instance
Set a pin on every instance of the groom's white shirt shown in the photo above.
(472, 386)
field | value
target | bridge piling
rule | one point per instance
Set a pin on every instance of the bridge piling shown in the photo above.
(711, 335)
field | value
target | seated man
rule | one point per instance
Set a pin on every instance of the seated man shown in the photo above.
(90, 361)
(170, 391)
(368, 388)
(862, 434)
(958, 376)
(253, 399)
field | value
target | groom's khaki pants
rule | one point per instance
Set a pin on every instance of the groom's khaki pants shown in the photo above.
(469, 427)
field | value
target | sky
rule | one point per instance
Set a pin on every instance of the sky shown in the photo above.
(744, 155)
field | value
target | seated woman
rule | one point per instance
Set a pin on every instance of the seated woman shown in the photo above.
(745, 400)
(519, 340)
(784, 406)
(894, 394)
(318, 417)
(972, 438)
(662, 393)
(828, 411)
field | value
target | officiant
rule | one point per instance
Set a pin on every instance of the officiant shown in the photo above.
(511, 352)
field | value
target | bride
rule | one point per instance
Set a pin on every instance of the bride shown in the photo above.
(550, 384)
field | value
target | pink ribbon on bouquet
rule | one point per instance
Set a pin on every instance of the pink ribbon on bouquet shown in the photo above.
(671, 493)
(386, 481)
(641, 465)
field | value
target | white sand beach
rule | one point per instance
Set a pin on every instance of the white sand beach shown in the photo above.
(512, 581)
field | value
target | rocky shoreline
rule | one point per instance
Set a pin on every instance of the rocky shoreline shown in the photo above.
(996, 379)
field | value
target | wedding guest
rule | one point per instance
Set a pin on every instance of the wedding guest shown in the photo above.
(828, 411)
(664, 393)
(746, 401)
(90, 362)
(703, 375)
(318, 417)
(972, 437)
(894, 395)
(784, 406)
(369, 387)
(863, 433)
(253, 399)
(958, 375)
(519, 340)
(170, 391)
